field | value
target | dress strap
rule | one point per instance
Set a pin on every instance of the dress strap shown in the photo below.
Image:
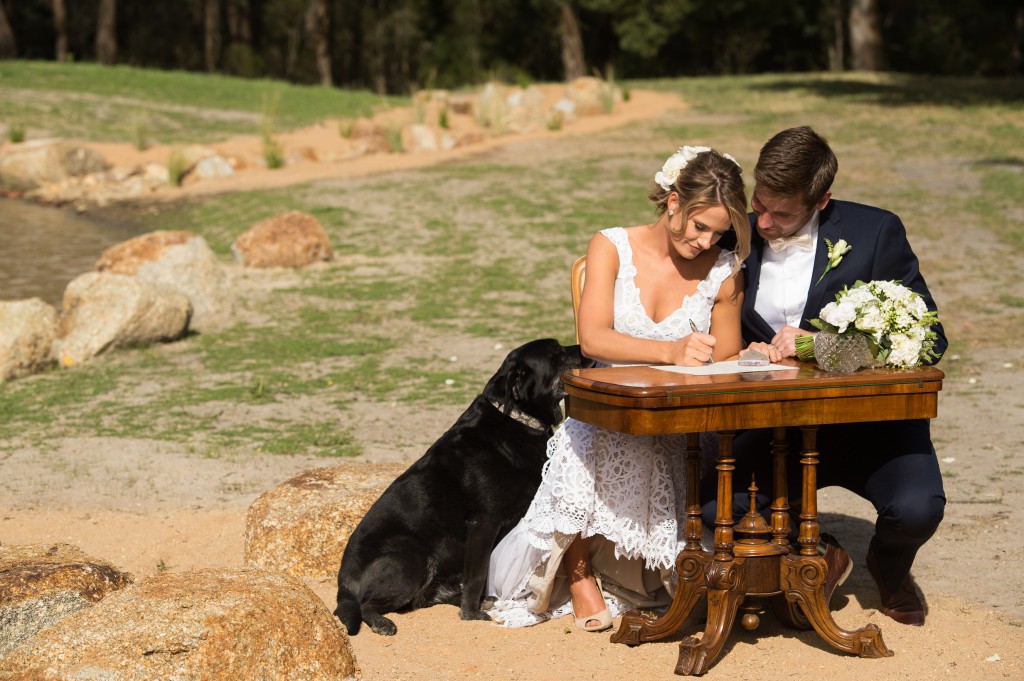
(620, 239)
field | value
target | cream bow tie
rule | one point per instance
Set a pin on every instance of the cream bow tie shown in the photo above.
(804, 242)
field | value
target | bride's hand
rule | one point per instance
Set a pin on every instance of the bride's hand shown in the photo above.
(694, 350)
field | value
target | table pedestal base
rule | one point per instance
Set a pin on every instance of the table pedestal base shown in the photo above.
(751, 569)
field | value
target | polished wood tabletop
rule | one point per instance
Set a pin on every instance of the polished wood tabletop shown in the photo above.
(643, 400)
(760, 566)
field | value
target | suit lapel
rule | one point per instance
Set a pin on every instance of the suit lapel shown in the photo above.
(757, 327)
(829, 228)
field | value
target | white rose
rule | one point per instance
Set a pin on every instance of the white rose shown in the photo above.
(840, 314)
(905, 351)
(669, 172)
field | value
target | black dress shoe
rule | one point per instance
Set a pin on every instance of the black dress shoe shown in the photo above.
(903, 604)
(839, 563)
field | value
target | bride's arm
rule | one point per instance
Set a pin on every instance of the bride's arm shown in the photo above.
(598, 338)
(725, 318)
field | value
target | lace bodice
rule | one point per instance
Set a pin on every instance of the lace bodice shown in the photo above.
(630, 316)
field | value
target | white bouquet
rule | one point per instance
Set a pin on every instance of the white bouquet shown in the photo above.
(895, 321)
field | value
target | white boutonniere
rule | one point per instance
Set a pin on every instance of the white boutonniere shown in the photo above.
(836, 252)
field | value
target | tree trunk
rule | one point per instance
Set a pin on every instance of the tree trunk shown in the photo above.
(1018, 34)
(239, 25)
(866, 36)
(106, 32)
(573, 63)
(60, 27)
(211, 34)
(318, 25)
(837, 50)
(8, 46)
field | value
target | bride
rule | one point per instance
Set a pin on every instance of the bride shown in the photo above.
(601, 534)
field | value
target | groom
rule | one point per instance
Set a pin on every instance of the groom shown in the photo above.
(892, 464)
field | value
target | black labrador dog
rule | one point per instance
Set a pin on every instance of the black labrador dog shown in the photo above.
(429, 536)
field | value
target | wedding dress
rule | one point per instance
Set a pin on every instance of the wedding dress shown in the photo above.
(627, 491)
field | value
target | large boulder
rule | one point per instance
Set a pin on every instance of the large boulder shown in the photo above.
(291, 239)
(39, 162)
(27, 330)
(104, 311)
(41, 584)
(302, 526)
(181, 260)
(214, 625)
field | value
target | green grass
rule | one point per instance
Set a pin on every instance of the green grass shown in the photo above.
(92, 102)
(477, 251)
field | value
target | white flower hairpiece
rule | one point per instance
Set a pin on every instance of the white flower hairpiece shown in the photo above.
(669, 173)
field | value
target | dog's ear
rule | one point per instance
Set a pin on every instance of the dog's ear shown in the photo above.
(514, 388)
(517, 385)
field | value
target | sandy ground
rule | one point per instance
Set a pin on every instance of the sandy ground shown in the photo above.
(142, 505)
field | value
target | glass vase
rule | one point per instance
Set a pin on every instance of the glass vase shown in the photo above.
(841, 352)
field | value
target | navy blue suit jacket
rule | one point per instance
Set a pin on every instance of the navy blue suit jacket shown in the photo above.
(880, 251)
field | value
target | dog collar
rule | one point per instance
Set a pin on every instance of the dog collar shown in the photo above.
(522, 417)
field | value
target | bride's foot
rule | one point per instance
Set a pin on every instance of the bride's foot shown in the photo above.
(587, 599)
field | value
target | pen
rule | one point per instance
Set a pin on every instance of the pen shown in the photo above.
(693, 327)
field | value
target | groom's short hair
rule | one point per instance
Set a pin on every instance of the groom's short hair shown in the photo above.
(796, 162)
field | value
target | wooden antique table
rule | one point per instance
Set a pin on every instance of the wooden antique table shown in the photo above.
(753, 563)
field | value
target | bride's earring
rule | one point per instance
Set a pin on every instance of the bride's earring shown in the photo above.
(670, 214)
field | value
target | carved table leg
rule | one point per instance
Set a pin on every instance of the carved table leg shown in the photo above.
(726, 587)
(803, 580)
(803, 575)
(725, 593)
(784, 609)
(691, 565)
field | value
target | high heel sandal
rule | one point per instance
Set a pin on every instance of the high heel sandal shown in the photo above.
(603, 619)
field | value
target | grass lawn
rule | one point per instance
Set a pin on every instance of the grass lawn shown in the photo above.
(477, 252)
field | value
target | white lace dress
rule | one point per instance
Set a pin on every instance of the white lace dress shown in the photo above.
(625, 490)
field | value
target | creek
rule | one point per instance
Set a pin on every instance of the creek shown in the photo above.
(45, 247)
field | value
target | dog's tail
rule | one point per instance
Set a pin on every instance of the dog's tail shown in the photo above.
(349, 611)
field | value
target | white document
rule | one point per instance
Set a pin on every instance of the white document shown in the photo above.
(732, 367)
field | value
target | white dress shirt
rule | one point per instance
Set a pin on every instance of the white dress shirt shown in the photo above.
(786, 279)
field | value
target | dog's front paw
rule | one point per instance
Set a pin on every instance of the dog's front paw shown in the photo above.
(383, 626)
(473, 615)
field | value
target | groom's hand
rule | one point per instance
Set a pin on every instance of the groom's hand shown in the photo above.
(785, 340)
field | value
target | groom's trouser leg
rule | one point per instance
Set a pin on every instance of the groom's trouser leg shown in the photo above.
(891, 464)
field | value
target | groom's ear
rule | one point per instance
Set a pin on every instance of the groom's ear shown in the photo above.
(824, 201)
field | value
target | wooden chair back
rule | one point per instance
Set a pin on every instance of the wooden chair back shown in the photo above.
(578, 276)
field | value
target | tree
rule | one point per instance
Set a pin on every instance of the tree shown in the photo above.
(8, 46)
(836, 50)
(106, 32)
(573, 63)
(211, 34)
(318, 25)
(866, 36)
(60, 28)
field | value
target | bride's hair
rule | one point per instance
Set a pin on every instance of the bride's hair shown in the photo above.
(710, 179)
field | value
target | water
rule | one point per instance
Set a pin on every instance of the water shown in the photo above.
(44, 248)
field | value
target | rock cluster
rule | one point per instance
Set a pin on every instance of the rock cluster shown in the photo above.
(211, 624)
(67, 616)
(58, 171)
(150, 289)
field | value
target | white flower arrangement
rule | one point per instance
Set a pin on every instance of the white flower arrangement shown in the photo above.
(669, 173)
(836, 252)
(895, 320)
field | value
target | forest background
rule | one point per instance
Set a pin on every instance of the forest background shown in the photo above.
(397, 46)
